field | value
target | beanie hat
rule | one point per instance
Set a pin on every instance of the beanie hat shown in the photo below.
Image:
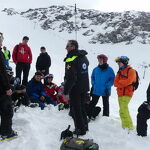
(38, 73)
(4, 47)
(104, 57)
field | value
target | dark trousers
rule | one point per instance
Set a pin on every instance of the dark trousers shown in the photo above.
(23, 67)
(142, 117)
(46, 71)
(6, 113)
(77, 104)
(94, 102)
(19, 99)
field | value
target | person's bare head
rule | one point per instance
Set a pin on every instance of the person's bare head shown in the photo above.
(25, 40)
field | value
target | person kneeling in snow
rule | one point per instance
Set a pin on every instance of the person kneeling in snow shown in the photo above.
(52, 90)
(143, 115)
(19, 95)
(36, 93)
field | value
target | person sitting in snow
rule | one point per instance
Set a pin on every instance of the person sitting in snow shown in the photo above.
(52, 90)
(143, 115)
(36, 93)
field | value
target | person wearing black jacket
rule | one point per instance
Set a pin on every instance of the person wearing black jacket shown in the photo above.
(43, 62)
(143, 115)
(6, 111)
(76, 85)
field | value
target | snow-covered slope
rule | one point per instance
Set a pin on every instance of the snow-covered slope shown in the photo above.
(40, 129)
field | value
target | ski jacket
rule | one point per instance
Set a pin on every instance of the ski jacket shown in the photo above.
(22, 53)
(76, 72)
(7, 54)
(43, 61)
(148, 94)
(123, 82)
(101, 80)
(53, 91)
(35, 89)
(4, 81)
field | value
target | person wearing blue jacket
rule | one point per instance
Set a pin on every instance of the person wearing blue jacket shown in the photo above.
(36, 93)
(102, 80)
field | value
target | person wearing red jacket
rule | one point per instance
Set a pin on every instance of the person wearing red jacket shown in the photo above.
(22, 57)
(52, 90)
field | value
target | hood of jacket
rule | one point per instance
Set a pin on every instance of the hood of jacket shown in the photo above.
(79, 53)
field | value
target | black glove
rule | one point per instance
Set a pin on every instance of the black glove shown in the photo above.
(107, 92)
(91, 91)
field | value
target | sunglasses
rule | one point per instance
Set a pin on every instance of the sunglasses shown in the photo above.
(69, 45)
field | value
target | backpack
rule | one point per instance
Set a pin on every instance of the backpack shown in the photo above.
(136, 83)
(9, 55)
(71, 143)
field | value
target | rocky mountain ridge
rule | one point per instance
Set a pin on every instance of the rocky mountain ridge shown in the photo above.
(99, 27)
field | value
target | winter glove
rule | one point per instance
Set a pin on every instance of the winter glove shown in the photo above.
(91, 91)
(42, 98)
(107, 92)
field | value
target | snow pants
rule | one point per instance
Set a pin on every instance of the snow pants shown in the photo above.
(77, 104)
(142, 117)
(6, 114)
(41, 103)
(124, 112)
(23, 67)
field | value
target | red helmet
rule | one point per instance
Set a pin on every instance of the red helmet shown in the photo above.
(104, 57)
(4, 47)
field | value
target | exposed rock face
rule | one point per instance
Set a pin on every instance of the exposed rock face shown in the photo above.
(128, 27)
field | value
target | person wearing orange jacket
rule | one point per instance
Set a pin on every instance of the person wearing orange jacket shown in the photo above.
(124, 80)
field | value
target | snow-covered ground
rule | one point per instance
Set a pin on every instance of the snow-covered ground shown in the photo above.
(40, 129)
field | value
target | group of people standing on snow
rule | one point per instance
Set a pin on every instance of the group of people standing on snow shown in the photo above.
(19, 90)
(75, 87)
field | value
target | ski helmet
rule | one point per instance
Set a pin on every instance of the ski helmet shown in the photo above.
(122, 59)
(49, 76)
(104, 57)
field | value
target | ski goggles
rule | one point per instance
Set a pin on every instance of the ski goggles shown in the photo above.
(122, 58)
(117, 59)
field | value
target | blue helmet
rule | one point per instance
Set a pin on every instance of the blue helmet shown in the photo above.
(122, 59)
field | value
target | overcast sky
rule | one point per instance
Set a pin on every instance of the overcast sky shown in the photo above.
(102, 5)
